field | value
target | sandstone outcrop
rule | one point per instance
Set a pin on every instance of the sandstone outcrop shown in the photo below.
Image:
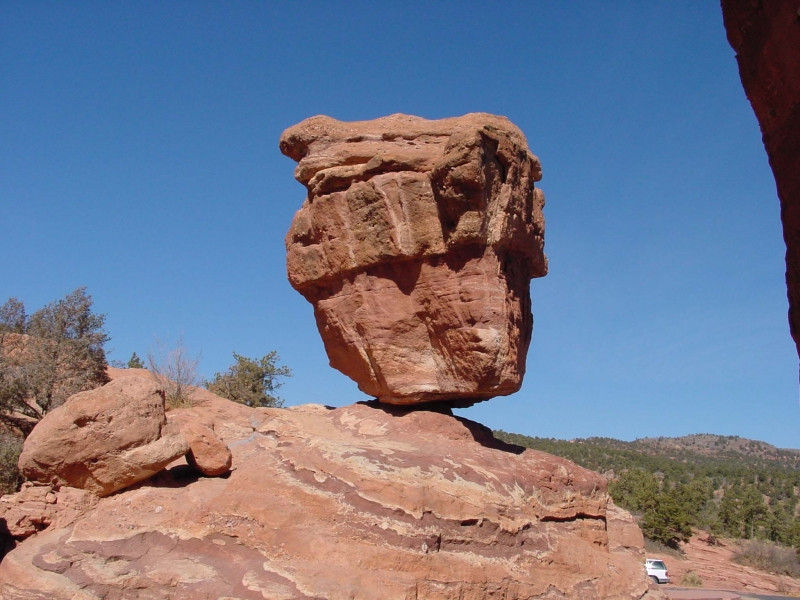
(36, 507)
(360, 502)
(416, 245)
(766, 38)
(103, 440)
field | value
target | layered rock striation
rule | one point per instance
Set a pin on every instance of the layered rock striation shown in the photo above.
(363, 502)
(416, 245)
(766, 38)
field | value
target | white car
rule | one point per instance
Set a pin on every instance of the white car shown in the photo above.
(656, 570)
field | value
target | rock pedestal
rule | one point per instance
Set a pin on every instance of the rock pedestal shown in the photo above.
(416, 245)
(364, 502)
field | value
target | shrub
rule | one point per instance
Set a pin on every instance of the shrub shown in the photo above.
(654, 547)
(691, 579)
(251, 381)
(768, 556)
(10, 477)
(176, 371)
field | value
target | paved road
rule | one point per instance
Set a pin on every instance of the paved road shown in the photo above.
(699, 594)
(703, 594)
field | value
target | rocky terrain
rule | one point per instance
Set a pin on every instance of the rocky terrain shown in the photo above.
(713, 564)
(361, 502)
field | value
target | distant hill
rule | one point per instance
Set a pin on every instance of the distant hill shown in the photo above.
(689, 447)
(725, 484)
(699, 450)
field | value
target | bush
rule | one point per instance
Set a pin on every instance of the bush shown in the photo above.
(768, 556)
(176, 371)
(691, 579)
(48, 357)
(654, 547)
(251, 381)
(10, 477)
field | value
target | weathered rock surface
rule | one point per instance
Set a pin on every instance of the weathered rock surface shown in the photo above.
(103, 440)
(766, 38)
(416, 245)
(359, 502)
(38, 506)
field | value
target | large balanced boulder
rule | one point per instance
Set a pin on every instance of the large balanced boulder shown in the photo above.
(358, 503)
(416, 245)
(103, 440)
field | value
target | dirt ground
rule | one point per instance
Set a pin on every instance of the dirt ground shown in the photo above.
(715, 567)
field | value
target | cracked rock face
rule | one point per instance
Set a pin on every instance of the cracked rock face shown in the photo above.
(416, 245)
(364, 502)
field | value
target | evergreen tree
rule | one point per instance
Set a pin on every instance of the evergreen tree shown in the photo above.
(45, 359)
(134, 362)
(251, 381)
(667, 521)
(635, 489)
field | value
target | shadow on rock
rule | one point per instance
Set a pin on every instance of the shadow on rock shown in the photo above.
(480, 433)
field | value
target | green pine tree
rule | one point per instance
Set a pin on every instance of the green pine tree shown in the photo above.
(251, 381)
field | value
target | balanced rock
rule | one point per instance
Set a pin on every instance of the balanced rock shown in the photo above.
(103, 440)
(361, 503)
(416, 245)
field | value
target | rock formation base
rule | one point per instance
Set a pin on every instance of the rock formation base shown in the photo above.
(360, 502)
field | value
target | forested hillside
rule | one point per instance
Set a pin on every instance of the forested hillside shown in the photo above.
(724, 484)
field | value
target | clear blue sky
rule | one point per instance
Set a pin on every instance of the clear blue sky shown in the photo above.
(139, 157)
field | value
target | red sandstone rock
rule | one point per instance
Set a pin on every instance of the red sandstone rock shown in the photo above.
(416, 245)
(36, 507)
(359, 502)
(766, 38)
(207, 452)
(103, 440)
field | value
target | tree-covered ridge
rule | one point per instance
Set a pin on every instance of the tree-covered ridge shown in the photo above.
(719, 446)
(724, 484)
